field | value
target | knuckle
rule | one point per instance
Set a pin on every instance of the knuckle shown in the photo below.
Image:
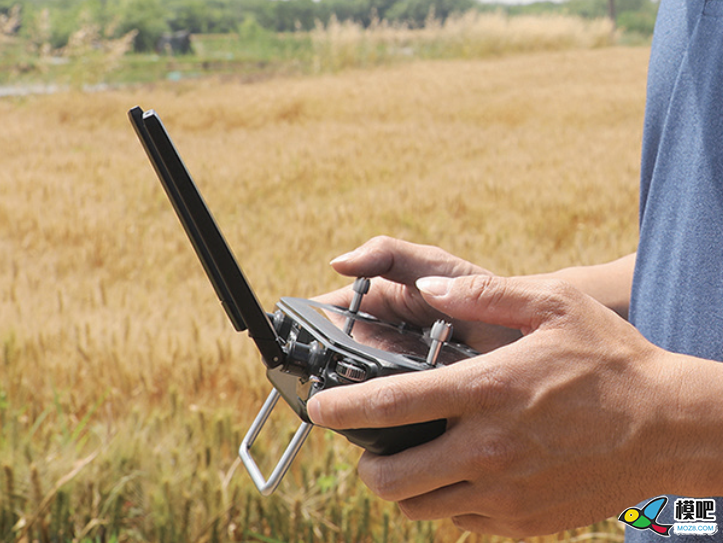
(460, 524)
(380, 254)
(489, 387)
(411, 510)
(488, 291)
(437, 254)
(380, 242)
(494, 454)
(557, 297)
(378, 475)
(385, 404)
(466, 523)
(483, 283)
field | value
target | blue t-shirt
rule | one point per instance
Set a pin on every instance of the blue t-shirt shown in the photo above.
(677, 297)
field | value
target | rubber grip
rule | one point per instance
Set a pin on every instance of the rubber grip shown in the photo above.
(386, 441)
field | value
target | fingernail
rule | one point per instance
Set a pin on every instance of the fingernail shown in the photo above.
(313, 409)
(346, 257)
(434, 286)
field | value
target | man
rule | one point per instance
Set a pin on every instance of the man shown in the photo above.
(574, 414)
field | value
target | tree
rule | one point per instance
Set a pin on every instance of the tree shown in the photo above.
(148, 17)
(417, 11)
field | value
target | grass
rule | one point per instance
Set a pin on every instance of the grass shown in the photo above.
(468, 36)
(124, 392)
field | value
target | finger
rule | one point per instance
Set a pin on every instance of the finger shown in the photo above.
(515, 302)
(401, 261)
(430, 467)
(432, 493)
(387, 301)
(402, 476)
(392, 401)
(461, 503)
(341, 297)
(446, 502)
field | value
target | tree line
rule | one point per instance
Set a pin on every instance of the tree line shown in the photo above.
(152, 18)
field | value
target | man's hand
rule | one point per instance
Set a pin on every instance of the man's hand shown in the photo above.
(395, 266)
(564, 427)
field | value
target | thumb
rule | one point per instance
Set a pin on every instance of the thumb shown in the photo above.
(401, 261)
(515, 302)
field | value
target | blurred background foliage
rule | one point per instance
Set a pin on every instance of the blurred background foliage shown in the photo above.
(152, 18)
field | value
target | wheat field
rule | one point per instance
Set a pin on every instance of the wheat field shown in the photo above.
(125, 392)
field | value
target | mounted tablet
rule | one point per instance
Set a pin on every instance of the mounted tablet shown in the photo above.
(232, 288)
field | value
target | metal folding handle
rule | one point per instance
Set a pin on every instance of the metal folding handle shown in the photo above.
(266, 487)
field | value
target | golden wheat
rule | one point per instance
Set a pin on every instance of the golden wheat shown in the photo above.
(114, 344)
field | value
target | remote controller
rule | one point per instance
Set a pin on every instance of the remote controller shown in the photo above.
(306, 346)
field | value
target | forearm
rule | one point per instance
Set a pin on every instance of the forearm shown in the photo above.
(609, 283)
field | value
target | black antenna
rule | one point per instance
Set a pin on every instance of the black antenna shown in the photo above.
(229, 282)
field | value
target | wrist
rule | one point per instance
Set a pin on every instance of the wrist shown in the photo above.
(694, 417)
(609, 283)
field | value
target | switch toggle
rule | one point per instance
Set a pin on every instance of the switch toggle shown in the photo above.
(360, 288)
(440, 333)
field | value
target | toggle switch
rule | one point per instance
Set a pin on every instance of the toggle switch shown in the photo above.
(360, 288)
(440, 333)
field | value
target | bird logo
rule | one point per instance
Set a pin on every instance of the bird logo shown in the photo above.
(645, 519)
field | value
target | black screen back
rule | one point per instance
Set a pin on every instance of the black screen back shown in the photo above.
(229, 282)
